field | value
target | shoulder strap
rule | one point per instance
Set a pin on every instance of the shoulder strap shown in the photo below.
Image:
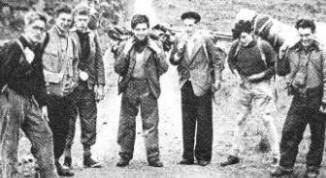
(261, 51)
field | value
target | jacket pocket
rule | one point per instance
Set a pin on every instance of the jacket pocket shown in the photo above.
(51, 61)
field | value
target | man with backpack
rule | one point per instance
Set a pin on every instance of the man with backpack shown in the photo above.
(23, 101)
(253, 61)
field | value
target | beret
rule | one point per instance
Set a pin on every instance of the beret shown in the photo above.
(191, 15)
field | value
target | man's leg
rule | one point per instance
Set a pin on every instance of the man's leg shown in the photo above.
(40, 135)
(204, 138)
(88, 117)
(243, 103)
(60, 112)
(11, 116)
(127, 127)
(263, 97)
(315, 154)
(70, 139)
(188, 104)
(150, 120)
(292, 133)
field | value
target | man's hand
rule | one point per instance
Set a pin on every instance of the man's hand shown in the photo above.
(256, 76)
(44, 113)
(216, 86)
(181, 46)
(322, 108)
(99, 93)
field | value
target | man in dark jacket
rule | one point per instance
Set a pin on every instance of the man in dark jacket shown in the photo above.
(90, 88)
(200, 67)
(253, 61)
(23, 101)
(305, 63)
(140, 62)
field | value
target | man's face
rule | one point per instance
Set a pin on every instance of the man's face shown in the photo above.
(81, 22)
(306, 36)
(35, 31)
(63, 21)
(245, 38)
(190, 26)
(141, 31)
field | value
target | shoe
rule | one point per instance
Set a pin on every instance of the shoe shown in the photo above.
(91, 163)
(280, 171)
(62, 171)
(123, 163)
(68, 162)
(155, 163)
(203, 162)
(186, 162)
(231, 160)
(312, 172)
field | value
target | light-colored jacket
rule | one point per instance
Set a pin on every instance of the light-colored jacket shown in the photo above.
(202, 67)
(60, 63)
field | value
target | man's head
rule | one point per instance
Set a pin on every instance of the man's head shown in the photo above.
(35, 24)
(81, 17)
(244, 32)
(140, 26)
(306, 30)
(190, 21)
(63, 14)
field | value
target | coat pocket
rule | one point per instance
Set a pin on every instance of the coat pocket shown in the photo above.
(51, 61)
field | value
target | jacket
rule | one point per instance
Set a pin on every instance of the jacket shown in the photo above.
(202, 68)
(316, 67)
(17, 73)
(60, 63)
(155, 65)
(93, 64)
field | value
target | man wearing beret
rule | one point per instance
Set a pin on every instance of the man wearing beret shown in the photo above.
(200, 66)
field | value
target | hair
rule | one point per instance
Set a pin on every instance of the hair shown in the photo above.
(32, 16)
(62, 8)
(82, 9)
(306, 23)
(138, 19)
(240, 27)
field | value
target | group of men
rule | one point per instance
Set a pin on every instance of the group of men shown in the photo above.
(47, 78)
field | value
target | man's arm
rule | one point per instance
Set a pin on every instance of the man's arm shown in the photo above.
(323, 58)
(160, 57)
(271, 59)
(217, 57)
(121, 61)
(177, 52)
(99, 65)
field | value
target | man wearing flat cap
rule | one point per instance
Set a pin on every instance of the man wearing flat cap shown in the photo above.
(199, 65)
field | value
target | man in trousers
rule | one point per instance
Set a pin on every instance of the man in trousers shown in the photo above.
(60, 62)
(140, 63)
(90, 88)
(200, 65)
(305, 65)
(252, 60)
(23, 101)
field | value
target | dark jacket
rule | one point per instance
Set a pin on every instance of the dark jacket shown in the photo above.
(17, 73)
(316, 67)
(155, 65)
(91, 59)
(203, 67)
